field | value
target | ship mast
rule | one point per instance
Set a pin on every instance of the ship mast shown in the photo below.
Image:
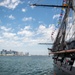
(60, 42)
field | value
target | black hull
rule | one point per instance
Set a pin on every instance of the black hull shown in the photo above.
(59, 71)
(64, 61)
(63, 70)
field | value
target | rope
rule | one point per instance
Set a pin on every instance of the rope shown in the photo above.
(60, 18)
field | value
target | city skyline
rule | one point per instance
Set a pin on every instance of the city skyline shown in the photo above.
(5, 52)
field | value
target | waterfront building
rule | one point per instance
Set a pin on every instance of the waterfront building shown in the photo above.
(27, 54)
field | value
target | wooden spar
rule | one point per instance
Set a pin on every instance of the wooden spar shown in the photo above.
(59, 6)
(63, 51)
(46, 43)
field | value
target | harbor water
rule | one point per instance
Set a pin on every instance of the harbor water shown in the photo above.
(26, 65)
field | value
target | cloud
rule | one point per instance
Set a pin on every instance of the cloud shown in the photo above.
(11, 17)
(46, 32)
(42, 27)
(23, 10)
(5, 29)
(26, 32)
(8, 35)
(27, 27)
(27, 19)
(11, 4)
(26, 36)
(1, 40)
(33, 37)
(56, 16)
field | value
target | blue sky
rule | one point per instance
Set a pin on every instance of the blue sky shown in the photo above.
(22, 27)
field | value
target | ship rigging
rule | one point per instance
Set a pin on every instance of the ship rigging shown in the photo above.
(63, 46)
(60, 42)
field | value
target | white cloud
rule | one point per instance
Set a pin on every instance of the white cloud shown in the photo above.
(11, 4)
(26, 32)
(16, 43)
(42, 34)
(56, 16)
(1, 40)
(42, 27)
(46, 32)
(27, 19)
(27, 27)
(23, 10)
(8, 35)
(5, 29)
(12, 17)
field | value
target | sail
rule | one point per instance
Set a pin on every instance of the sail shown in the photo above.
(73, 20)
(60, 39)
(74, 4)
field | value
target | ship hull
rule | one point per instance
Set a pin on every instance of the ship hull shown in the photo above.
(59, 71)
(63, 70)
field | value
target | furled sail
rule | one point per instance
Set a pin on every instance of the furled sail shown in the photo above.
(60, 39)
(73, 20)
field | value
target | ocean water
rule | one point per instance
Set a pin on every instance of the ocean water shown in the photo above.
(23, 65)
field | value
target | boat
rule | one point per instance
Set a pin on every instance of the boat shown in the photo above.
(63, 47)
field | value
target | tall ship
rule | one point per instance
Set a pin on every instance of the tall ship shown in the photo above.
(63, 48)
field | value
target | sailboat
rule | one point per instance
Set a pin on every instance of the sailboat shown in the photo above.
(63, 48)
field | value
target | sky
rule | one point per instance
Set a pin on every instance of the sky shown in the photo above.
(23, 26)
